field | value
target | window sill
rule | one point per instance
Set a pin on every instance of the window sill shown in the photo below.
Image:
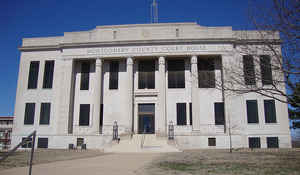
(272, 123)
(176, 88)
(206, 87)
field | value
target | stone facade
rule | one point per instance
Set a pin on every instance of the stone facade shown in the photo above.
(130, 44)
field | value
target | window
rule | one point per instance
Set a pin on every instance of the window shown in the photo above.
(266, 69)
(206, 73)
(176, 75)
(45, 113)
(85, 75)
(272, 142)
(211, 141)
(177, 32)
(270, 111)
(254, 142)
(48, 74)
(114, 34)
(249, 70)
(252, 111)
(27, 142)
(80, 141)
(147, 74)
(191, 114)
(181, 114)
(33, 74)
(219, 113)
(113, 74)
(42, 143)
(84, 115)
(29, 113)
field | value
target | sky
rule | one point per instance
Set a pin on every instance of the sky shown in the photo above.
(41, 18)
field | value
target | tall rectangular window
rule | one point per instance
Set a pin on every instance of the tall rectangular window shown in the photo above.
(219, 113)
(33, 74)
(42, 143)
(191, 114)
(48, 74)
(266, 69)
(272, 142)
(45, 113)
(84, 115)
(29, 114)
(254, 142)
(176, 74)
(113, 74)
(252, 111)
(181, 114)
(85, 75)
(270, 111)
(206, 73)
(249, 70)
(146, 74)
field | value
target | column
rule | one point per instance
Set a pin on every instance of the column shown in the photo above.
(130, 91)
(162, 118)
(97, 94)
(65, 98)
(194, 96)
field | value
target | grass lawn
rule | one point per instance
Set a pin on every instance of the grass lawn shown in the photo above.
(21, 158)
(221, 162)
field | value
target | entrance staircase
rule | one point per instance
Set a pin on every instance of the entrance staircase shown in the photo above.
(142, 143)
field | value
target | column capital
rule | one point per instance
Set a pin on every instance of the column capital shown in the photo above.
(161, 60)
(194, 59)
(98, 61)
(129, 61)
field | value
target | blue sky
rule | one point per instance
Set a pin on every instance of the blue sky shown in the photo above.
(37, 18)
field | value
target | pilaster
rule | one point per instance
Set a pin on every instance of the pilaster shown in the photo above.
(97, 95)
(162, 122)
(195, 97)
(129, 67)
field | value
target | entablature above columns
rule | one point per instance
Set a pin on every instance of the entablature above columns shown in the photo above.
(142, 51)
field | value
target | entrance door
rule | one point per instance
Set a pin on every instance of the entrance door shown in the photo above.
(146, 118)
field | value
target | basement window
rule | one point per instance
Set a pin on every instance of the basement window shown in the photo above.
(272, 142)
(80, 141)
(42, 142)
(211, 141)
(254, 142)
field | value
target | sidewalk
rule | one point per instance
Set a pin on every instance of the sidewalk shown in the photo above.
(111, 164)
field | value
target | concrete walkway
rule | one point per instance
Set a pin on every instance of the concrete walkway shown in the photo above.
(110, 164)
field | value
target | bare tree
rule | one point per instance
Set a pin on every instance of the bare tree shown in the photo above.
(267, 58)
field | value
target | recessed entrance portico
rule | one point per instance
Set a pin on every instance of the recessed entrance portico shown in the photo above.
(146, 118)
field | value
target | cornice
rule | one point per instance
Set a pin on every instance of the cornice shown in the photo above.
(148, 42)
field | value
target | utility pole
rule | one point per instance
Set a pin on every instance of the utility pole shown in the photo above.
(154, 12)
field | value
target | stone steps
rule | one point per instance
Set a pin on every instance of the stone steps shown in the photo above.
(152, 143)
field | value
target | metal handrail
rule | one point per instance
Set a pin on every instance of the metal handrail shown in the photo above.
(143, 138)
(23, 142)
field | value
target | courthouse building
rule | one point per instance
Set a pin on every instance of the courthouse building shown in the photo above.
(143, 77)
